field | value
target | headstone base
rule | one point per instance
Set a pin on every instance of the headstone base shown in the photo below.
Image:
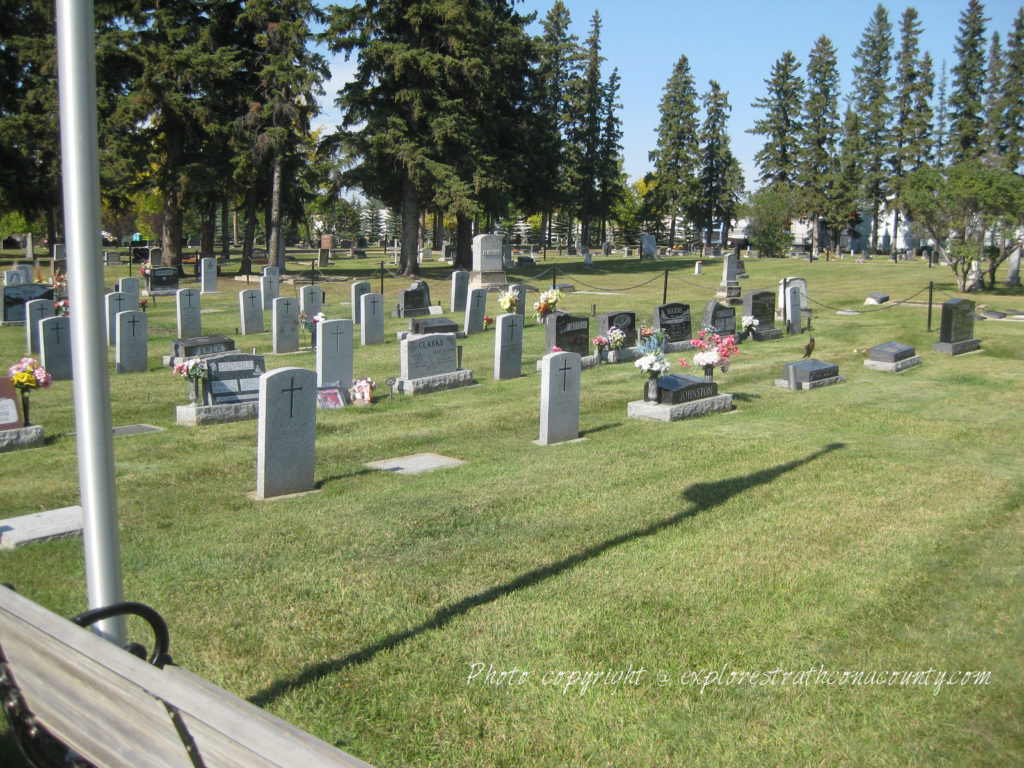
(769, 334)
(956, 347)
(23, 437)
(440, 382)
(784, 383)
(729, 293)
(489, 281)
(899, 365)
(641, 409)
(53, 524)
(12, 322)
(194, 415)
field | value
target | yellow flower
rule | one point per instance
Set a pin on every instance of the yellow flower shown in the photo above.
(24, 379)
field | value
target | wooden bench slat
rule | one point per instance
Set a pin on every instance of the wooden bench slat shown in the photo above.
(230, 732)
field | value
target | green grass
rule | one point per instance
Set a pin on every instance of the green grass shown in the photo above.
(872, 526)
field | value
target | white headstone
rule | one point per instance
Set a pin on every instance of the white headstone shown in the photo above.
(559, 397)
(357, 290)
(788, 282)
(334, 353)
(519, 289)
(460, 289)
(131, 347)
(250, 312)
(130, 286)
(286, 431)
(30, 249)
(1013, 267)
(284, 326)
(508, 346)
(794, 310)
(208, 275)
(487, 253)
(311, 299)
(476, 307)
(116, 302)
(190, 319)
(26, 272)
(729, 269)
(35, 310)
(275, 271)
(371, 309)
(269, 287)
(55, 346)
(14, 277)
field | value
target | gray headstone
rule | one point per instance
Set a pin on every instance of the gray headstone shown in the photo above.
(460, 290)
(16, 296)
(357, 290)
(270, 286)
(371, 330)
(201, 345)
(487, 253)
(521, 304)
(674, 319)
(794, 310)
(117, 302)
(15, 277)
(234, 377)
(624, 321)
(275, 271)
(430, 355)
(286, 433)
(720, 317)
(684, 388)
(131, 350)
(1013, 268)
(334, 353)
(761, 306)
(508, 346)
(788, 282)
(35, 310)
(957, 321)
(729, 268)
(208, 275)
(130, 286)
(809, 371)
(55, 346)
(414, 300)
(648, 246)
(163, 281)
(559, 397)
(476, 308)
(285, 326)
(190, 319)
(311, 299)
(250, 310)
(891, 352)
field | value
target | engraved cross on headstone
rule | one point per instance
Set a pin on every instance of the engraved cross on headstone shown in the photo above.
(252, 299)
(56, 328)
(374, 301)
(187, 294)
(291, 390)
(512, 325)
(133, 321)
(119, 298)
(287, 306)
(565, 373)
(336, 333)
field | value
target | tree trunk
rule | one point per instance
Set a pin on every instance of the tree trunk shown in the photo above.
(672, 230)
(463, 241)
(207, 229)
(225, 238)
(274, 257)
(410, 230)
(174, 141)
(51, 230)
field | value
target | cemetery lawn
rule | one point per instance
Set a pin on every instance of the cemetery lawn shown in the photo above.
(860, 547)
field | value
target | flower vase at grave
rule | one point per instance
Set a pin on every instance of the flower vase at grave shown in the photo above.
(193, 390)
(651, 390)
(613, 355)
(24, 406)
(709, 373)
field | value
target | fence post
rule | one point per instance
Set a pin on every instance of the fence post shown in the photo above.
(554, 277)
(664, 290)
(931, 287)
(382, 278)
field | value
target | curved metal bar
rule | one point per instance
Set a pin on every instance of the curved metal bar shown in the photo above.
(161, 637)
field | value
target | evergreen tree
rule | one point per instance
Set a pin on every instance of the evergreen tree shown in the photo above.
(821, 133)
(967, 115)
(611, 179)
(993, 140)
(844, 214)
(781, 125)
(720, 178)
(871, 99)
(1013, 95)
(912, 127)
(676, 152)
(942, 119)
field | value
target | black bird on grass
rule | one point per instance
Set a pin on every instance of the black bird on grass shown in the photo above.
(809, 348)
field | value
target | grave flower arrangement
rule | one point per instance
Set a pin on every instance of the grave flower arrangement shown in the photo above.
(310, 323)
(508, 300)
(62, 307)
(143, 304)
(651, 339)
(616, 338)
(749, 323)
(488, 321)
(192, 368)
(146, 268)
(653, 365)
(27, 375)
(60, 285)
(600, 343)
(547, 303)
(362, 390)
(714, 350)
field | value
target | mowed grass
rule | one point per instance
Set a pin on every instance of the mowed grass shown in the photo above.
(872, 527)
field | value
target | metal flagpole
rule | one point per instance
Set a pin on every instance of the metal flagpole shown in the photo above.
(76, 69)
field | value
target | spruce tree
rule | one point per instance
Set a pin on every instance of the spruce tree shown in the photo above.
(1013, 95)
(993, 140)
(844, 213)
(611, 179)
(967, 115)
(782, 123)
(871, 99)
(676, 151)
(720, 178)
(941, 143)
(821, 132)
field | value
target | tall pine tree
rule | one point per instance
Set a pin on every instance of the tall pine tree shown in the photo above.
(993, 138)
(819, 139)
(967, 115)
(720, 178)
(1013, 95)
(781, 125)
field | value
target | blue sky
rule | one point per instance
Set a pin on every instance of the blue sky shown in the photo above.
(736, 44)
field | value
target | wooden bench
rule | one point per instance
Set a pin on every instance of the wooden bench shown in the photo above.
(115, 710)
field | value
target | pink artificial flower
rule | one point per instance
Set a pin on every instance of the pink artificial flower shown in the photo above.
(556, 349)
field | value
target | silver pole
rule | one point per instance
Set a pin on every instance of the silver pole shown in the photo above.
(76, 69)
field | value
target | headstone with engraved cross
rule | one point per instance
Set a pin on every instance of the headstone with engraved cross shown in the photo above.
(35, 310)
(371, 330)
(250, 309)
(117, 302)
(270, 286)
(284, 326)
(190, 320)
(55, 346)
(559, 397)
(208, 275)
(475, 310)
(311, 299)
(130, 286)
(286, 432)
(460, 289)
(131, 347)
(508, 346)
(356, 292)
(334, 353)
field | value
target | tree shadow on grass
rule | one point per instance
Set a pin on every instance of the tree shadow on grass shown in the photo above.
(702, 496)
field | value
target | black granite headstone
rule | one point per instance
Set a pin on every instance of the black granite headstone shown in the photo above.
(163, 281)
(16, 296)
(569, 333)
(683, 388)
(957, 321)
(432, 325)
(414, 301)
(891, 352)
(721, 317)
(674, 320)
(201, 345)
(624, 321)
(809, 371)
